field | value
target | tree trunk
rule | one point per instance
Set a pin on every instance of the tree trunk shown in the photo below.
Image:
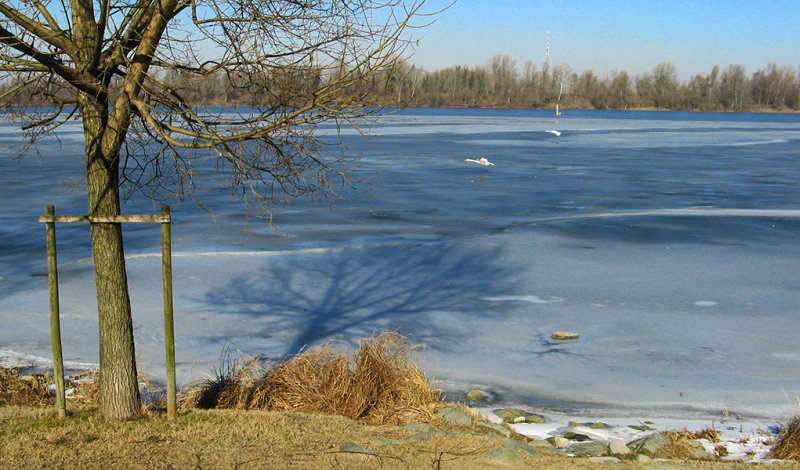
(119, 391)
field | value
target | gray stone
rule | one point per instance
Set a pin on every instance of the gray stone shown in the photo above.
(649, 445)
(641, 428)
(504, 454)
(474, 395)
(543, 448)
(421, 436)
(535, 419)
(618, 447)
(455, 417)
(509, 414)
(520, 446)
(565, 336)
(353, 448)
(603, 460)
(505, 432)
(698, 450)
(558, 442)
(541, 443)
(511, 451)
(643, 458)
(588, 449)
(419, 427)
(574, 436)
(422, 431)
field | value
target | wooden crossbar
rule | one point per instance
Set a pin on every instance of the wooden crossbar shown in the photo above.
(106, 219)
(165, 219)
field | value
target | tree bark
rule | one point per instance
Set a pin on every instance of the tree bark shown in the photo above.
(119, 391)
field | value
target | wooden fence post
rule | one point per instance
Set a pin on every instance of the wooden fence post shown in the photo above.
(165, 219)
(55, 321)
(169, 326)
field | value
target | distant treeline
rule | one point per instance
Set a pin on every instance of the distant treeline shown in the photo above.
(501, 84)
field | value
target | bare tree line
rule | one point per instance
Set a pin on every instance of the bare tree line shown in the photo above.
(500, 83)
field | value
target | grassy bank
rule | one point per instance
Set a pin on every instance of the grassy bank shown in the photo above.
(204, 439)
(320, 409)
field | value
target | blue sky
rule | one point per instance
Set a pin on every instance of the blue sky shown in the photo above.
(630, 35)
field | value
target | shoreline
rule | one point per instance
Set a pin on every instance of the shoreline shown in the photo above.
(745, 438)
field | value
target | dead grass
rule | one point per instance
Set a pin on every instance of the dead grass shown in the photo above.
(258, 439)
(681, 447)
(31, 391)
(379, 383)
(678, 449)
(711, 434)
(787, 446)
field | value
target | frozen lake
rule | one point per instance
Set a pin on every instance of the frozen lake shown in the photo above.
(669, 241)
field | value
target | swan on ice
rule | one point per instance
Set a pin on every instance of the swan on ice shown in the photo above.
(481, 161)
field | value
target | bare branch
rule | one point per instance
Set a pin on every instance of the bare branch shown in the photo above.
(55, 38)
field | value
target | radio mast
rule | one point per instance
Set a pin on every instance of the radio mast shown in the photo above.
(547, 48)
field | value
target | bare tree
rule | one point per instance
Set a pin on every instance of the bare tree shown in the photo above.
(298, 63)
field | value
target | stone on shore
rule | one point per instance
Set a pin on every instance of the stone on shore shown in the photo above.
(618, 447)
(650, 444)
(422, 431)
(512, 451)
(588, 449)
(698, 450)
(558, 442)
(455, 417)
(509, 414)
(474, 396)
(574, 436)
(494, 427)
(534, 419)
(565, 336)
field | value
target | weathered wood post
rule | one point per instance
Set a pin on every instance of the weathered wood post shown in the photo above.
(165, 220)
(55, 320)
(169, 326)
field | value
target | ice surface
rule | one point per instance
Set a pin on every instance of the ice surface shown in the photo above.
(668, 244)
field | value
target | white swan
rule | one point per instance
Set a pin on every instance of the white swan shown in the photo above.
(554, 132)
(481, 161)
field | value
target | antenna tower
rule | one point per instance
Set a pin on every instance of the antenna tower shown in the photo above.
(547, 48)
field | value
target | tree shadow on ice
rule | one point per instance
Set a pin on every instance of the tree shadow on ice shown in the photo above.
(425, 291)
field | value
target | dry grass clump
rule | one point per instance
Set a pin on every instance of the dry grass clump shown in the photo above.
(230, 388)
(682, 445)
(86, 388)
(379, 383)
(678, 449)
(787, 446)
(31, 391)
(711, 434)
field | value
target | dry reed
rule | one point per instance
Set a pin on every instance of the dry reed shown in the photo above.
(711, 434)
(29, 391)
(379, 383)
(787, 446)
